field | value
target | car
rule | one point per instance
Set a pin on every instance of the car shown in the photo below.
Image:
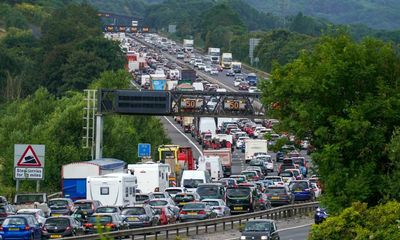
(181, 199)
(239, 178)
(108, 209)
(255, 168)
(316, 189)
(172, 191)
(37, 213)
(140, 216)
(244, 86)
(201, 66)
(61, 206)
(253, 90)
(230, 182)
(321, 214)
(21, 227)
(260, 229)
(218, 206)
(207, 68)
(268, 164)
(276, 179)
(108, 221)
(302, 190)
(214, 71)
(230, 73)
(166, 202)
(279, 195)
(259, 163)
(87, 206)
(287, 177)
(251, 175)
(180, 55)
(196, 211)
(165, 215)
(296, 173)
(144, 197)
(237, 82)
(240, 142)
(6, 210)
(63, 226)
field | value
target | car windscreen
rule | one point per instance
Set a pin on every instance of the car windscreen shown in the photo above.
(192, 183)
(238, 192)
(134, 211)
(106, 210)
(100, 219)
(59, 222)
(257, 226)
(158, 203)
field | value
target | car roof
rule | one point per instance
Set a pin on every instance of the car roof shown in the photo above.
(29, 210)
(261, 220)
(103, 214)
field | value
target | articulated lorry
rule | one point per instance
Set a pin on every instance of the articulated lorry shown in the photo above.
(226, 61)
(188, 45)
(215, 55)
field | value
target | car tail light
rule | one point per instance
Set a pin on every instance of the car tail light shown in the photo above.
(202, 212)
(88, 225)
(182, 212)
(27, 228)
(110, 225)
(68, 228)
(1, 228)
(261, 200)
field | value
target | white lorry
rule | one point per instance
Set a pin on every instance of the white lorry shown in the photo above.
(213, 165)
(115, 189)
(226, 61)
(188, 45)
(151, 176)
(237, 67)
(253, 146)
(215, 55)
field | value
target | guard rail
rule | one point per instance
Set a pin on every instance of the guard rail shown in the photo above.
(185, 228)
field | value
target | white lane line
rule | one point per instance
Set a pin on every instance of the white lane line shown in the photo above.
(295, 227)
(191, 142)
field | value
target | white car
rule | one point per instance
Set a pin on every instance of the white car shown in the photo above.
(214, 71)
(218, 206)
(172, 191)
(276, 179)
(237, 81)
(253, 90)
(180, 56)
(316, 189)
(212, 103)
(201, 66)
(207, 68)
(240, 142)
(37, 213)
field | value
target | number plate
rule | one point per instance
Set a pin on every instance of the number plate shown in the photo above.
(13, 229)
(183, 203)
(192, 213)
(98, 226)
(132, 219)
(56, 214)
(237, 208)
(55, 236)
(274, 198)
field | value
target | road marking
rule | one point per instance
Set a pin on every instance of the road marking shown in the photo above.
(183, 134)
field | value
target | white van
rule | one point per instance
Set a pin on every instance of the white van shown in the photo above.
(198, 86)
(115, 189)
(212, 165)
(192, 178)
(207, 124)
(150, 176)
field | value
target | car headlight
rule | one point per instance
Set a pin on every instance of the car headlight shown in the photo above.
(243, 238)
(264, 237)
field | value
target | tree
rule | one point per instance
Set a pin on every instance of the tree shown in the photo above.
(344, 96)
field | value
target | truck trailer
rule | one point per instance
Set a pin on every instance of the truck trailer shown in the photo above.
(151, 176)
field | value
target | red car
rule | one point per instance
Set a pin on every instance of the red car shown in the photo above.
(244, 86)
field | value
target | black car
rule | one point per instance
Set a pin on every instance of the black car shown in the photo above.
(64, 226)
(260, 229)
(5, 211)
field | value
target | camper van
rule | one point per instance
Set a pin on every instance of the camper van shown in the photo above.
(115, 189)
(150, 176)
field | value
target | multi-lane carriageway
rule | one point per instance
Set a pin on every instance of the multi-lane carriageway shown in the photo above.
(298, 230)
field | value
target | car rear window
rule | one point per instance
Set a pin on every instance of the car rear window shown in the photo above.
(173, 191)
(14, 221)
(106, 210)
(194, 206)
(134, 211)
(100, 219)
(276, 190)
(184, 197)
(159, 195)
(59, 222)
(212, 203)
(158, 203)
(57, 203)
(142, 197)
(84, 205)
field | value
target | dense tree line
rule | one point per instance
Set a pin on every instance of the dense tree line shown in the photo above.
(47, 58)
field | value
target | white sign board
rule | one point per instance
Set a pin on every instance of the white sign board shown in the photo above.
(28, 173)
(29, 161)
(134, 23)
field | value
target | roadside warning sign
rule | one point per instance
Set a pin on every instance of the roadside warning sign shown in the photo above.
(29, 158)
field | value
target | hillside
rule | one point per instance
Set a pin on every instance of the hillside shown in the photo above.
(378, 14)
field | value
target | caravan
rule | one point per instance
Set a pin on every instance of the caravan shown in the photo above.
(115, 189)
(151, 176)
(213, 165)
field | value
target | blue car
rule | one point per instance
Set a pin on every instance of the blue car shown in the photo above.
(21, 227)
(302, 190)
(320, 215)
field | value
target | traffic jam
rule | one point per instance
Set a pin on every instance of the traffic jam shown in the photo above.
(236, 173)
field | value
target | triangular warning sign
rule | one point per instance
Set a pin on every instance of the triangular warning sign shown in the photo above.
(29, 158)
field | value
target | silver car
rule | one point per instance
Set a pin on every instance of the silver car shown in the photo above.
(218, 206)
